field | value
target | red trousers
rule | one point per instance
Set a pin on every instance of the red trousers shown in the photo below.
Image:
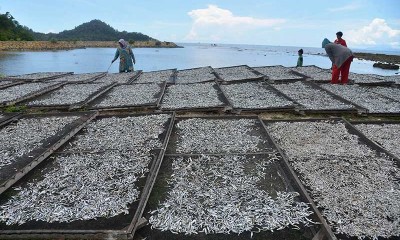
(343, 71)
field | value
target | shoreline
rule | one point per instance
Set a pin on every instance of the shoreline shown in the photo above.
(69, 45)
(378, 57)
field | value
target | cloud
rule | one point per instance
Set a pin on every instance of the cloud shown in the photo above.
(348, 7)
(217, 24)
(378, 32)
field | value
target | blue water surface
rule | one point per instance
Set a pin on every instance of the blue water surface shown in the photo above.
(152, 59)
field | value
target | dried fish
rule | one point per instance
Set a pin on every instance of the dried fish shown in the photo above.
(20, 138)
(116, 77)
(314, 72)
(79, 187)
(356, 187)
(364, 97)
(366, 78)
(213, 194)
(311, 98)
(392, 78)
(195, 75)
(201, 135)
(237, 73)
(37, 76)
(277, 72)
(19, 91)
(254, 95)
(121, 133)
(131, 95)
(68, 94)
(390, 92)
(82, 77)
(386, 135)
(197, 95)
(155, 77)
(5, 82)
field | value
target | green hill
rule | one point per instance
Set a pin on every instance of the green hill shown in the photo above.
(11, 30)
(94, 30)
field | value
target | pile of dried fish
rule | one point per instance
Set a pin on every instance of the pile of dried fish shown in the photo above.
(311, 98)
(79, 187)
(364, 97)
(197, 95)
(121, 133)
(390, 92)
(155, 77)
(393, 78)
(83, 77)
(314, 72)
(386, 135)
(219, 194)
(356, 186)
(116, 77)
(18, 139)
(18, 91)
(237, 73)
(5, 82)
(131, 95)
(99, 180)
(69, 94)
(37, 76)
(366, 78)
(277, 72)
(254, 95)
(202, 135)
(195, 75)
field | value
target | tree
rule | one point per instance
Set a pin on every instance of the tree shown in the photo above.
(10, 29)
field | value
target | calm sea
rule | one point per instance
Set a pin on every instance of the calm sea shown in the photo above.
(151, 59)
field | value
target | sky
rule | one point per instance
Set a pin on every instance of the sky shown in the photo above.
(366, 24)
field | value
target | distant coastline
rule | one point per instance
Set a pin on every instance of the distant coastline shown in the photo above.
(394, 59)
(375, 57)
(67, 45)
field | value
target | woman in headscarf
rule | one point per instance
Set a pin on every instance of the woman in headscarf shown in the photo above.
(126, 57)
(341, 58)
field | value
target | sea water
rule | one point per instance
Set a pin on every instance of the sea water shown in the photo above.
(189, 56)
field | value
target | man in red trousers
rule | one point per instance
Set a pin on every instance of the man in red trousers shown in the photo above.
(340, 40)
(341, 58)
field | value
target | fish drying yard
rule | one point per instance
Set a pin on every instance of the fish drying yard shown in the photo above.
(235, 152)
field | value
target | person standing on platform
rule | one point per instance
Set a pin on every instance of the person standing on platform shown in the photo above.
(126, 57)
(340, 40)
(341, 58)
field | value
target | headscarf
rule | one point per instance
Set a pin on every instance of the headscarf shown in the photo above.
(123, 43)
(326, 41)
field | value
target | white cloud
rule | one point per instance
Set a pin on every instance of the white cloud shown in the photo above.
(378, 32)
(217, 24)
(348, 7)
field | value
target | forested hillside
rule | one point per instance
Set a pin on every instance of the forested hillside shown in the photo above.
(11, 30)
(94, 30)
